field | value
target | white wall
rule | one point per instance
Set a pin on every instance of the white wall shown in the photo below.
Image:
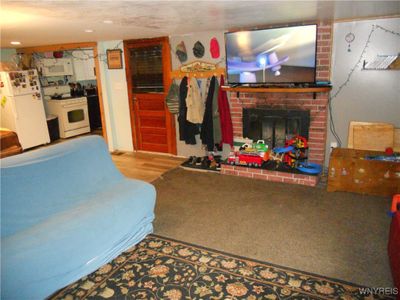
(371, 96)
(115, 100)
(189, 40)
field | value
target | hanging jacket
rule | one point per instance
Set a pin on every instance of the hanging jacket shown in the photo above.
(172, 98)
(187, 130)
(225, 116)
(216, 117)
(207, 132)
(194, 103)
(204, 86)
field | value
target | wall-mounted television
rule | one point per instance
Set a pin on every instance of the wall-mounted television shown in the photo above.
(284, 55)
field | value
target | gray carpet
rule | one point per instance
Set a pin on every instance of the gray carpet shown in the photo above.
(340, 235)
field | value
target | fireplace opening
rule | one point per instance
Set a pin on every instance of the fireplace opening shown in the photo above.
(275, 126)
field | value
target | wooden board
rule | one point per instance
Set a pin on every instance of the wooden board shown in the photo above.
(396, 142)
(349, 171)
(177, 74)
(373, 137)
(370, 136)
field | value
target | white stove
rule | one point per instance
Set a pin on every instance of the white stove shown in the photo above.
(73, 116)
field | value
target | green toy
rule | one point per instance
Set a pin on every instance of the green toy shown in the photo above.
(260, 146)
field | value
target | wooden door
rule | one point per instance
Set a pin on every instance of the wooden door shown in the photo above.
(148, 65)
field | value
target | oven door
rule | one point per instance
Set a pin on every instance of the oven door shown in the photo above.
(75, 116)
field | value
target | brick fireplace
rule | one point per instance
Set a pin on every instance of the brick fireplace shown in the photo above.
(315, 103)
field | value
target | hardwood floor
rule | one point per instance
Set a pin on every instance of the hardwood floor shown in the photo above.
(138, 165)
(145, 166)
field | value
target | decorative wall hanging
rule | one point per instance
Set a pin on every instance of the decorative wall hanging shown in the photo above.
(198, 66)
(181, 52)
(198, 49)
(198, 69)
(214, 48)
(349, 39)
(114, 58)
(58, 54)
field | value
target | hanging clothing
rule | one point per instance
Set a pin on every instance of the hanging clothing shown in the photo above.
(194, 103)
(204, 86)
(216, 118)
(225, 116)
(207, 132)
(187, 130)
(172, 98)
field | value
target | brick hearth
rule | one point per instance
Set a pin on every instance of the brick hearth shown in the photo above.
(269, 175)
(318, 108)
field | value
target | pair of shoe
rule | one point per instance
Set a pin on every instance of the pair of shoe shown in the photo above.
(191, 160)
(205, 163)
(194, 161)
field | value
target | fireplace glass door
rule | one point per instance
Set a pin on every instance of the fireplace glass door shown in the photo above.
(275, 126)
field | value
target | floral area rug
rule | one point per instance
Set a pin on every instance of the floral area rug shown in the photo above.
(162, 268)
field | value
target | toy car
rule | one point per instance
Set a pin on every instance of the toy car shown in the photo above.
(246, 159)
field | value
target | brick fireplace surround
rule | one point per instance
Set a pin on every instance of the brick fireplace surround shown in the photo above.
(318, 114)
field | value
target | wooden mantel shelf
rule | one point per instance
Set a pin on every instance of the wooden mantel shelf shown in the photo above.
(242, 89)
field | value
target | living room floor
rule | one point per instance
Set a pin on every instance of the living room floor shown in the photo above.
(340, 235)
(143, 165)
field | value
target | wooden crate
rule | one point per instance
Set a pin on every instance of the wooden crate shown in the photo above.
(349, 171)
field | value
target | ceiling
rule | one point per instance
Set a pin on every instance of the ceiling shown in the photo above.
(40, 22)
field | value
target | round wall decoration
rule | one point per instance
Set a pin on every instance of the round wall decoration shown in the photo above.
(349, 39)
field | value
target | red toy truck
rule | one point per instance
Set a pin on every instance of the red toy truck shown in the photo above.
(246, 159)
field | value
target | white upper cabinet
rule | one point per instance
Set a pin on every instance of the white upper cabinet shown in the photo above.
(83, 65)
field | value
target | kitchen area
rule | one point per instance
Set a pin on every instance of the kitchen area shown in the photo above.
(52, 98)
(69, 87)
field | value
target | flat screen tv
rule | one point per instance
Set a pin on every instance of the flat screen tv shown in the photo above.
(272, 56)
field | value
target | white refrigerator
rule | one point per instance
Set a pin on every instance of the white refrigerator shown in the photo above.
(22, 108)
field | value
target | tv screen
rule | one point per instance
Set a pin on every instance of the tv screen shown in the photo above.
(271, 56)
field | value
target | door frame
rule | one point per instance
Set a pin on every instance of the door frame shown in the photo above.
(71, 46)
(166, 59)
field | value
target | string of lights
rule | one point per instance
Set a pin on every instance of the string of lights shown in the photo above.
(352, 70)
(84, 56)
(17, 58)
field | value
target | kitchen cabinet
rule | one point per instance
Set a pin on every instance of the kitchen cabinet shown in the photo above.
(84, 67)
(52, 67)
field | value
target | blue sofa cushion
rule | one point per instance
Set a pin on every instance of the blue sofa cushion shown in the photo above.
(65, 211)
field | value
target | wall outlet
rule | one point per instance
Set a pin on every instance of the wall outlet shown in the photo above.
(333, 145)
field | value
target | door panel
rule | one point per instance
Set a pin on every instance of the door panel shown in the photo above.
(150, 122)
(148, 67)
(151, 105)
(155, 139)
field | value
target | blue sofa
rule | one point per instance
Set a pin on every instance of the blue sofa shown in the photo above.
(65, 211)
